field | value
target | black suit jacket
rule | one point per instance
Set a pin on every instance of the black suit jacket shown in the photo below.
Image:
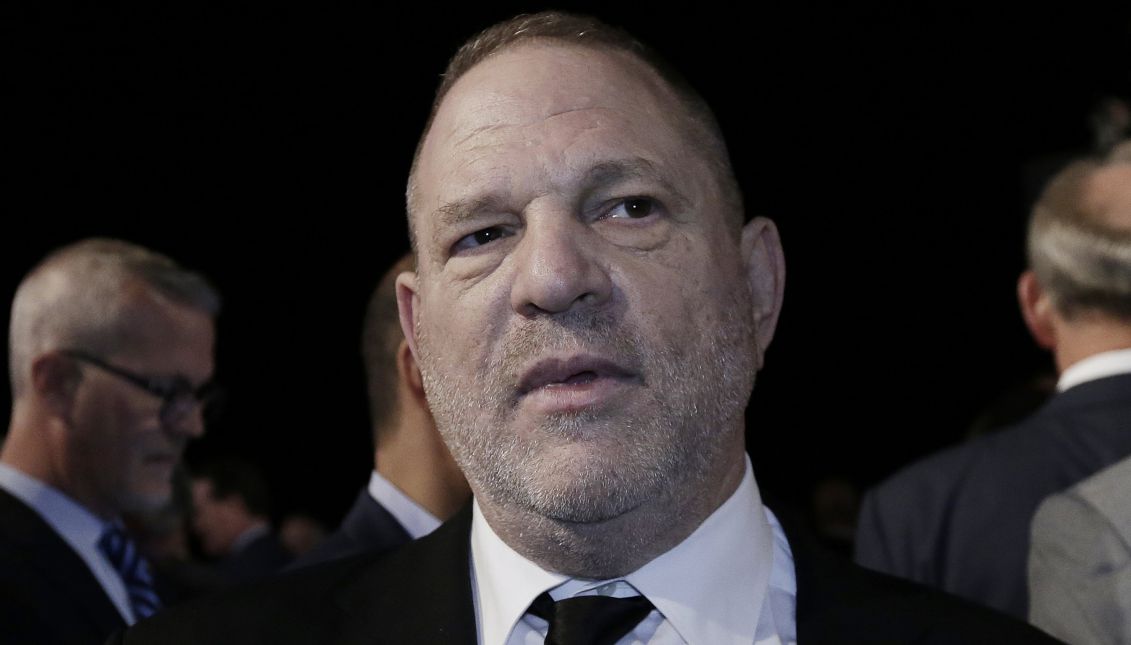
(367, 528)
(261, 558)
(959, 520)
(421, 594)
(47, 593)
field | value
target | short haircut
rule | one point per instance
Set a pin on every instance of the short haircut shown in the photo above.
(234, 477)
(1081, 260)
(381, 336)
(76, 298)
(586, 31)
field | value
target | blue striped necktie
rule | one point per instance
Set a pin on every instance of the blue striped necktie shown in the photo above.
(121, 551)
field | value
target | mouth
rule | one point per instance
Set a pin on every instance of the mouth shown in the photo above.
(574, 382)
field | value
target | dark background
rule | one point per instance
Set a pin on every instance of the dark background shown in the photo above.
(267, 145)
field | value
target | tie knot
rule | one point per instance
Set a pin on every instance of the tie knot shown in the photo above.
(590, 620)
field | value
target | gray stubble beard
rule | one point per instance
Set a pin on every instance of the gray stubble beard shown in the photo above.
(566, 507)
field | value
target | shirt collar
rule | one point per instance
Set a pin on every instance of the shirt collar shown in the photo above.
(417, 521)
(1095, 367)
(250, 534)
(71, 520)
(710, 587)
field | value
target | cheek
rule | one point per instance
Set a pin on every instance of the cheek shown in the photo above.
(457, 330)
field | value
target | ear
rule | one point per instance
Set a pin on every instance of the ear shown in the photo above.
(407, 300)
(55, 379)
(409, 374)
(1037, 309)
(765, 273)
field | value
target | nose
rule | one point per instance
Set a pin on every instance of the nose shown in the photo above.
(559, 266)
(186, 418)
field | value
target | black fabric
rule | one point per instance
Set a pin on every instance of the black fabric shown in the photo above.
(367, 528)
(959, 520)
(421, 594)
(48, 595)
(261, 558)
(589, 620)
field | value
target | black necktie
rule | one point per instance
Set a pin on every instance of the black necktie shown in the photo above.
(589, 620)
(120, 550)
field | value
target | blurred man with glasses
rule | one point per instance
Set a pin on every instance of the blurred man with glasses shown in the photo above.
(111, 360)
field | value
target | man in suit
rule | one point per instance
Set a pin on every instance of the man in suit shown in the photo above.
(110, 347)
(231, 518)
(415, 483)
(960, 520)
(588, 312)
(1080, 558)
(1080, 561)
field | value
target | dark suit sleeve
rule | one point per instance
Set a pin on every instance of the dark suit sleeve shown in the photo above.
(873, 547)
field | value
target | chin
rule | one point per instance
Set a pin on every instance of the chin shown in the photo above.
(149, 500)
(590, 488)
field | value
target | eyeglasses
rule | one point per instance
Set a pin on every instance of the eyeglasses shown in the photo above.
(178, 396)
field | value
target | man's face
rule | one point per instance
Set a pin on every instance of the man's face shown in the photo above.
(122, 454)
(581, 314)
(212, 520)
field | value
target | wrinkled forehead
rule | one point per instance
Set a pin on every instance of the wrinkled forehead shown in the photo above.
(533, 91)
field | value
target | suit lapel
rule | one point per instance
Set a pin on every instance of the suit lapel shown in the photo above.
(422, 595)
(838, 602)
(371, 524)
(58, 565)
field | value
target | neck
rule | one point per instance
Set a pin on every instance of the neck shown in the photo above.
(36, 446)
(621, 545)
(1085, 336)
(413, 459)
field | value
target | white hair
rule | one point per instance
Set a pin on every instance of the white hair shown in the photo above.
(1080, 259)
(75, 298)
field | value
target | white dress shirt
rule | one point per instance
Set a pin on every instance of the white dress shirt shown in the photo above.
(703, 589)
(417, 521)
(1102, 365)
(78, 527)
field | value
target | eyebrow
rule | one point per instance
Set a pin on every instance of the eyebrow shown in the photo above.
(612, 172)
(456, 212)
(601, 175)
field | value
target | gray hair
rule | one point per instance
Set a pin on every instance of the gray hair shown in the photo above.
(75, 298)
(1082, 261)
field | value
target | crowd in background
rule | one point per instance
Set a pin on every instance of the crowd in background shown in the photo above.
(111, 349)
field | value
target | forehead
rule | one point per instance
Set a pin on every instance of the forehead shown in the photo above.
(540, 79)
(553, 104)
(162, 335)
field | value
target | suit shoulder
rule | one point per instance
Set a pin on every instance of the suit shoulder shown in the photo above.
(295, 607)
(882, 608)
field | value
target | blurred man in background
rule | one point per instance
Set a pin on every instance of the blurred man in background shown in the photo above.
(415, 483)
(960, 520)
(231, 518)
(110, 357)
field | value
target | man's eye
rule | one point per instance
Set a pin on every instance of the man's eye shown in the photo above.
(633, 208)
(481, 237)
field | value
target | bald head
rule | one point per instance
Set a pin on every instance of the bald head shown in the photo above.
(558, 28)
(96, 295)
(1080, 237)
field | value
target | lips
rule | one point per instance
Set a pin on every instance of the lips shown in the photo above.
(574, 371)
